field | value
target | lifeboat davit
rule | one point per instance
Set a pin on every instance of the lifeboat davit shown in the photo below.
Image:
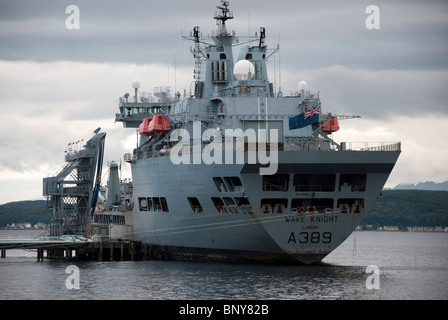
(331, 126)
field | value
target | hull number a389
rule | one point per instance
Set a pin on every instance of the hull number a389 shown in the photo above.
(310, 237)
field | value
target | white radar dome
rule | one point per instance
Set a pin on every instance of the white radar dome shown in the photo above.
(136, 84)
(242, 68)
(303, 85)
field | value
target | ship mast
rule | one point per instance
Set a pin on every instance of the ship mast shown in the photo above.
(222, 17)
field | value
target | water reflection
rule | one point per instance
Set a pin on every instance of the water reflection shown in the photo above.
(412, 266)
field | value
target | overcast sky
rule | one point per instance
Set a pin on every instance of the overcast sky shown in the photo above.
(57, 85)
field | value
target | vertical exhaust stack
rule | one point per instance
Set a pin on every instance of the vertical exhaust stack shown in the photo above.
(113, 195)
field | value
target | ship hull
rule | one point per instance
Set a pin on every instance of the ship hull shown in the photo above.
(255, 220)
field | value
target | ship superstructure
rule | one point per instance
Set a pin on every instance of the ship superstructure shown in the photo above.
(238, 172)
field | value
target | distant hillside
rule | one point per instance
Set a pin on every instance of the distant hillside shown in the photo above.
(24, 211)
(404, 208)
(429, 185)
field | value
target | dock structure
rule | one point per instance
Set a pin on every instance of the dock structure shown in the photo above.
(84, 227)
(107, 250)
(72, 194)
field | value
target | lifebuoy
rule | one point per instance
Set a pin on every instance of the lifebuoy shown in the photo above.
(355, 188)
(302, 210)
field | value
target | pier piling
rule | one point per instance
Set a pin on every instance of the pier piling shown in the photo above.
(106, 250)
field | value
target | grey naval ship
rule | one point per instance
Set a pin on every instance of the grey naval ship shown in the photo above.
(234, 171)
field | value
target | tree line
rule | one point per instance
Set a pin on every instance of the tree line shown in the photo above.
(405, 208)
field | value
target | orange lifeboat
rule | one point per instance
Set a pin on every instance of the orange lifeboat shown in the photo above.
(331, 126)
(143, 127)
(158, 124)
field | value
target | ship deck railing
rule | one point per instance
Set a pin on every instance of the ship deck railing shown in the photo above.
(345, 146)
(373, 146)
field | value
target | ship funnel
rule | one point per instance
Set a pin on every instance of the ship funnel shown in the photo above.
(113, 195)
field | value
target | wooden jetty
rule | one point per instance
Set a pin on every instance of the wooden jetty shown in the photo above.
(105, 250)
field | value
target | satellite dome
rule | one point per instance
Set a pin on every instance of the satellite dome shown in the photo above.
(242, 68)
(136, 84)
(303, 85)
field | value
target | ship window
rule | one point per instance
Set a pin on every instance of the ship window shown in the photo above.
(244, 204)
(228, 201)
(220, 184)
(353, 181)
(156, 202)
(350, 205)
(219, 205)
(249, 56)
(142, 204)
(222, 56)
(149, 203)
(234, 183)
(314, 182)
(276, 182)
(231, 206)
(195, 204)
(164, 204)
(312, 204)
(274, 205)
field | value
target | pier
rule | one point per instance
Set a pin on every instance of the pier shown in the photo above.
(106, 250)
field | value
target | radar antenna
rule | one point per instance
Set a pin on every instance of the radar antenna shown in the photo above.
(225, 13)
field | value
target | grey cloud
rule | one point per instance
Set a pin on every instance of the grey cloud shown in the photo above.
(380, 94)
(399, 70)
(313, 34)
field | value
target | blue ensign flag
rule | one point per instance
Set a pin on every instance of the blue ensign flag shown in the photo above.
(304, 119)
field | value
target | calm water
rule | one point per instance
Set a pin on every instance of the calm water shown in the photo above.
(413, 266)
